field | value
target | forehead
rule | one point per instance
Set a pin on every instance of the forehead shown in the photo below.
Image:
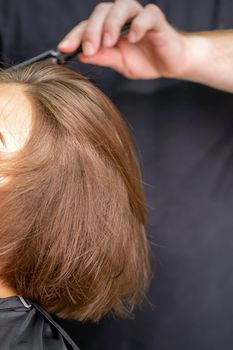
(15, 117)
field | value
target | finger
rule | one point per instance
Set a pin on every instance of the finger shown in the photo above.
(121, 11)
(94, 29)
(73, 39)
(151, 18)
(108, 57)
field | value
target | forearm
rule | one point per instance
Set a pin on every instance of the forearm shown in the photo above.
(210, 59)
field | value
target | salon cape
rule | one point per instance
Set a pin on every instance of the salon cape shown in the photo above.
(25, 325)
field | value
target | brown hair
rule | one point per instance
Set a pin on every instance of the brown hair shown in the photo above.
(72, 211)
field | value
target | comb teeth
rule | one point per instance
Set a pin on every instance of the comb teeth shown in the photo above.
(43, 56)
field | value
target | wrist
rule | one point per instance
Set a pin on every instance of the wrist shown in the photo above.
(197, 58)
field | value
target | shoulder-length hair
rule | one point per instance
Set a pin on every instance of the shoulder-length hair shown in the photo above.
(72, 212)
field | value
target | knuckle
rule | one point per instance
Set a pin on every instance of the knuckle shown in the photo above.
(128, 2)
(155, 12)
(154, 9)
(102, 6)
(136, 3)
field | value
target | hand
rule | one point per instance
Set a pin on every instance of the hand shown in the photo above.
(153, 48)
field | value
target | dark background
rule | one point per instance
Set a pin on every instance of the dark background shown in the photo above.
(184, 136)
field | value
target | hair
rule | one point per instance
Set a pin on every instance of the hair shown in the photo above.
(72, 213)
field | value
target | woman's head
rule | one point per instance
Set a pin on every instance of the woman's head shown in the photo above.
(71, 203)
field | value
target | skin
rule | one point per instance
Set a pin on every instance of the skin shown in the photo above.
(15, 122)
(153, 48)
(15, 118)
(5, 291)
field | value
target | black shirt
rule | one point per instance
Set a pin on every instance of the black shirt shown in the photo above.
(26, 326)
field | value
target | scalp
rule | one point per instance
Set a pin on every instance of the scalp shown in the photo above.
(15, 117)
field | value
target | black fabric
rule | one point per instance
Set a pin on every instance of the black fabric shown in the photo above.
(30, 328)
(184, 135)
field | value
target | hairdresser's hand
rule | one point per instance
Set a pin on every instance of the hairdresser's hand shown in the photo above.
(153, 48)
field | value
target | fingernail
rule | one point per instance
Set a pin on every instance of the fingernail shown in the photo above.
(132, 37)
(107, 40)
(88, 48)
